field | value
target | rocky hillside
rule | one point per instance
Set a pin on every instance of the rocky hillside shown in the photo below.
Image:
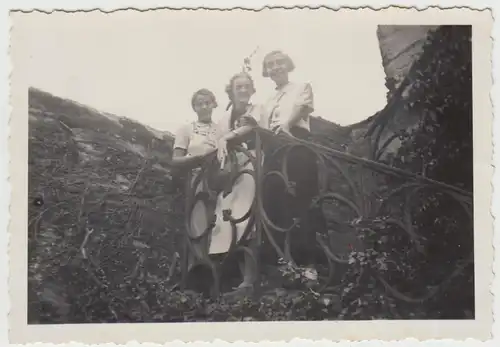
(89, 126)
(101, 205)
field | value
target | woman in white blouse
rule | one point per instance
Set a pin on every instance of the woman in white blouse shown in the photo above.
(193, 142)
(288, 110)
(196, 139)
(203, 136)
(236, 126)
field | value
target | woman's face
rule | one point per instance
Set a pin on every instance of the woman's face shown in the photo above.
(242, 90)
(277, 67)
(203, 106)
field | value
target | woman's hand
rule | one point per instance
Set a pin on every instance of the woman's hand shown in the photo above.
(182, 159)
(246, 120)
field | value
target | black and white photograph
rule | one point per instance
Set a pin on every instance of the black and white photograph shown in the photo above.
(284, 165)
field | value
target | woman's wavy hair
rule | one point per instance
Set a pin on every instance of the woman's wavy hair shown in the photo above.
(289, 62)
(230, 85)
(204, 92)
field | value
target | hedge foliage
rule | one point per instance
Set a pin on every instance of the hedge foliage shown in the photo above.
(440, 148)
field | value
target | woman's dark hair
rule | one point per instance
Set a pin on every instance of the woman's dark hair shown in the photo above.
(289, 62)
(204, 92)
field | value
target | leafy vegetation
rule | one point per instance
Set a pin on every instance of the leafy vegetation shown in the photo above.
(440, 148)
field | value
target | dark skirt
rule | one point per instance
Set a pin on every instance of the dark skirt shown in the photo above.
(282, 208)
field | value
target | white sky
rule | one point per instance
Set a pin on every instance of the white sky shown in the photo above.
(146, 65)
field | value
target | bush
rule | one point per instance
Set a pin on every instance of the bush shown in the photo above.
(440, 149)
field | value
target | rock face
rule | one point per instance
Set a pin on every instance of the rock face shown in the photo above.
(87, 125)
(100, 207)
(401, 47)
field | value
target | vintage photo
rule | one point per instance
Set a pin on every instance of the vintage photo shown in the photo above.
(184, 167)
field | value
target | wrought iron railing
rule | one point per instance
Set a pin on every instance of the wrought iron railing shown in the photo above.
(350, 191)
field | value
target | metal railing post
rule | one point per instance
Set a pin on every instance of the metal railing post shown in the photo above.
(258, 219)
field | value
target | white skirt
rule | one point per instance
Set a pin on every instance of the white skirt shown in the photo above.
(239, 201)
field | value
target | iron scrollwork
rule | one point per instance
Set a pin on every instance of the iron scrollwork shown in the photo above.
(350, 192)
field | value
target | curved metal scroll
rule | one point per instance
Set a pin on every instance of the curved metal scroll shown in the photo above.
(350, 193)
(213, 234)
(355, 190)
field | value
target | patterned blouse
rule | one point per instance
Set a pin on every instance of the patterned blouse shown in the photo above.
(196, 137)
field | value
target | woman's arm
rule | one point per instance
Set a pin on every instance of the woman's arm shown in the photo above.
(248, 124)
(181, 144)
(239, 132)
(298, 112)
(222, 150)
(180, 159)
